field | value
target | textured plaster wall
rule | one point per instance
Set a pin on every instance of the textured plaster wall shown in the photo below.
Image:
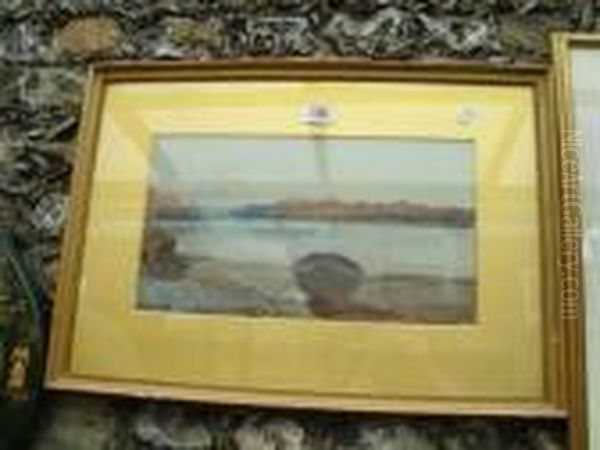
(45, 46)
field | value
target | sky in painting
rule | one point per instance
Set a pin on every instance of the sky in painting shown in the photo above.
(256, 167)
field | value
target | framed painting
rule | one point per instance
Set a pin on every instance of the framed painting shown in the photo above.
(360, 236)
(577, 59)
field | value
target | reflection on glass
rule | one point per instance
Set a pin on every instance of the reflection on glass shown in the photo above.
(367, 229)
(586, 97)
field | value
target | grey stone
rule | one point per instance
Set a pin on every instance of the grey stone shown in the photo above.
(44, 259)
(63, 130)
(245, 5)
(251, 437)
(294, 6)
(183, 7)
(10, 89)
(170, 430)
(24, 42)
(53, 87)
(524, 7)
(357, 7)
(161, 42)
(36, 182)
(289, 434)
(527, 38)
(544, 441)
(464, 6)
(8, 214)
(16, 9)
(49, 213)
(280, 36)
(49, 128)
(458, 36)
(185, 31)
(146, 432)
(4, 149)
(88, 7)
(393, 438)
(73, 424)
(184, 36)
(475, 435)
(277, 434)
(584, 14)
(389, 32)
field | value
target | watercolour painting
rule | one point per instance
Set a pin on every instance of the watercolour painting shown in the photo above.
(353, 229)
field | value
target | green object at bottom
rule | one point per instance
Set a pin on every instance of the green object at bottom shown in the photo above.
(22, 344)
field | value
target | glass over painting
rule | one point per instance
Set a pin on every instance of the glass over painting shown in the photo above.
(321, 227)
(584, 152)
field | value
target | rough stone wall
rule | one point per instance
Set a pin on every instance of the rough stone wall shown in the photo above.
(45, 47)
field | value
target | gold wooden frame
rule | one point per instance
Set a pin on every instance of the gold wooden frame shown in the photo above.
(552, 401)
(574, 314)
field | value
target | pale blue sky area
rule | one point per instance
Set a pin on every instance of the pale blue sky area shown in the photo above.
(381, 169)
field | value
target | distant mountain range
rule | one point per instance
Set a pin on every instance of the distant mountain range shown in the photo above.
(327, 210)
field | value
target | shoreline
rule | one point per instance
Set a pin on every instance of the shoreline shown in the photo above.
(211, 285)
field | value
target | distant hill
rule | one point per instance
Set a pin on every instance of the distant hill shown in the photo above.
(175, 206)
(399, 211)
